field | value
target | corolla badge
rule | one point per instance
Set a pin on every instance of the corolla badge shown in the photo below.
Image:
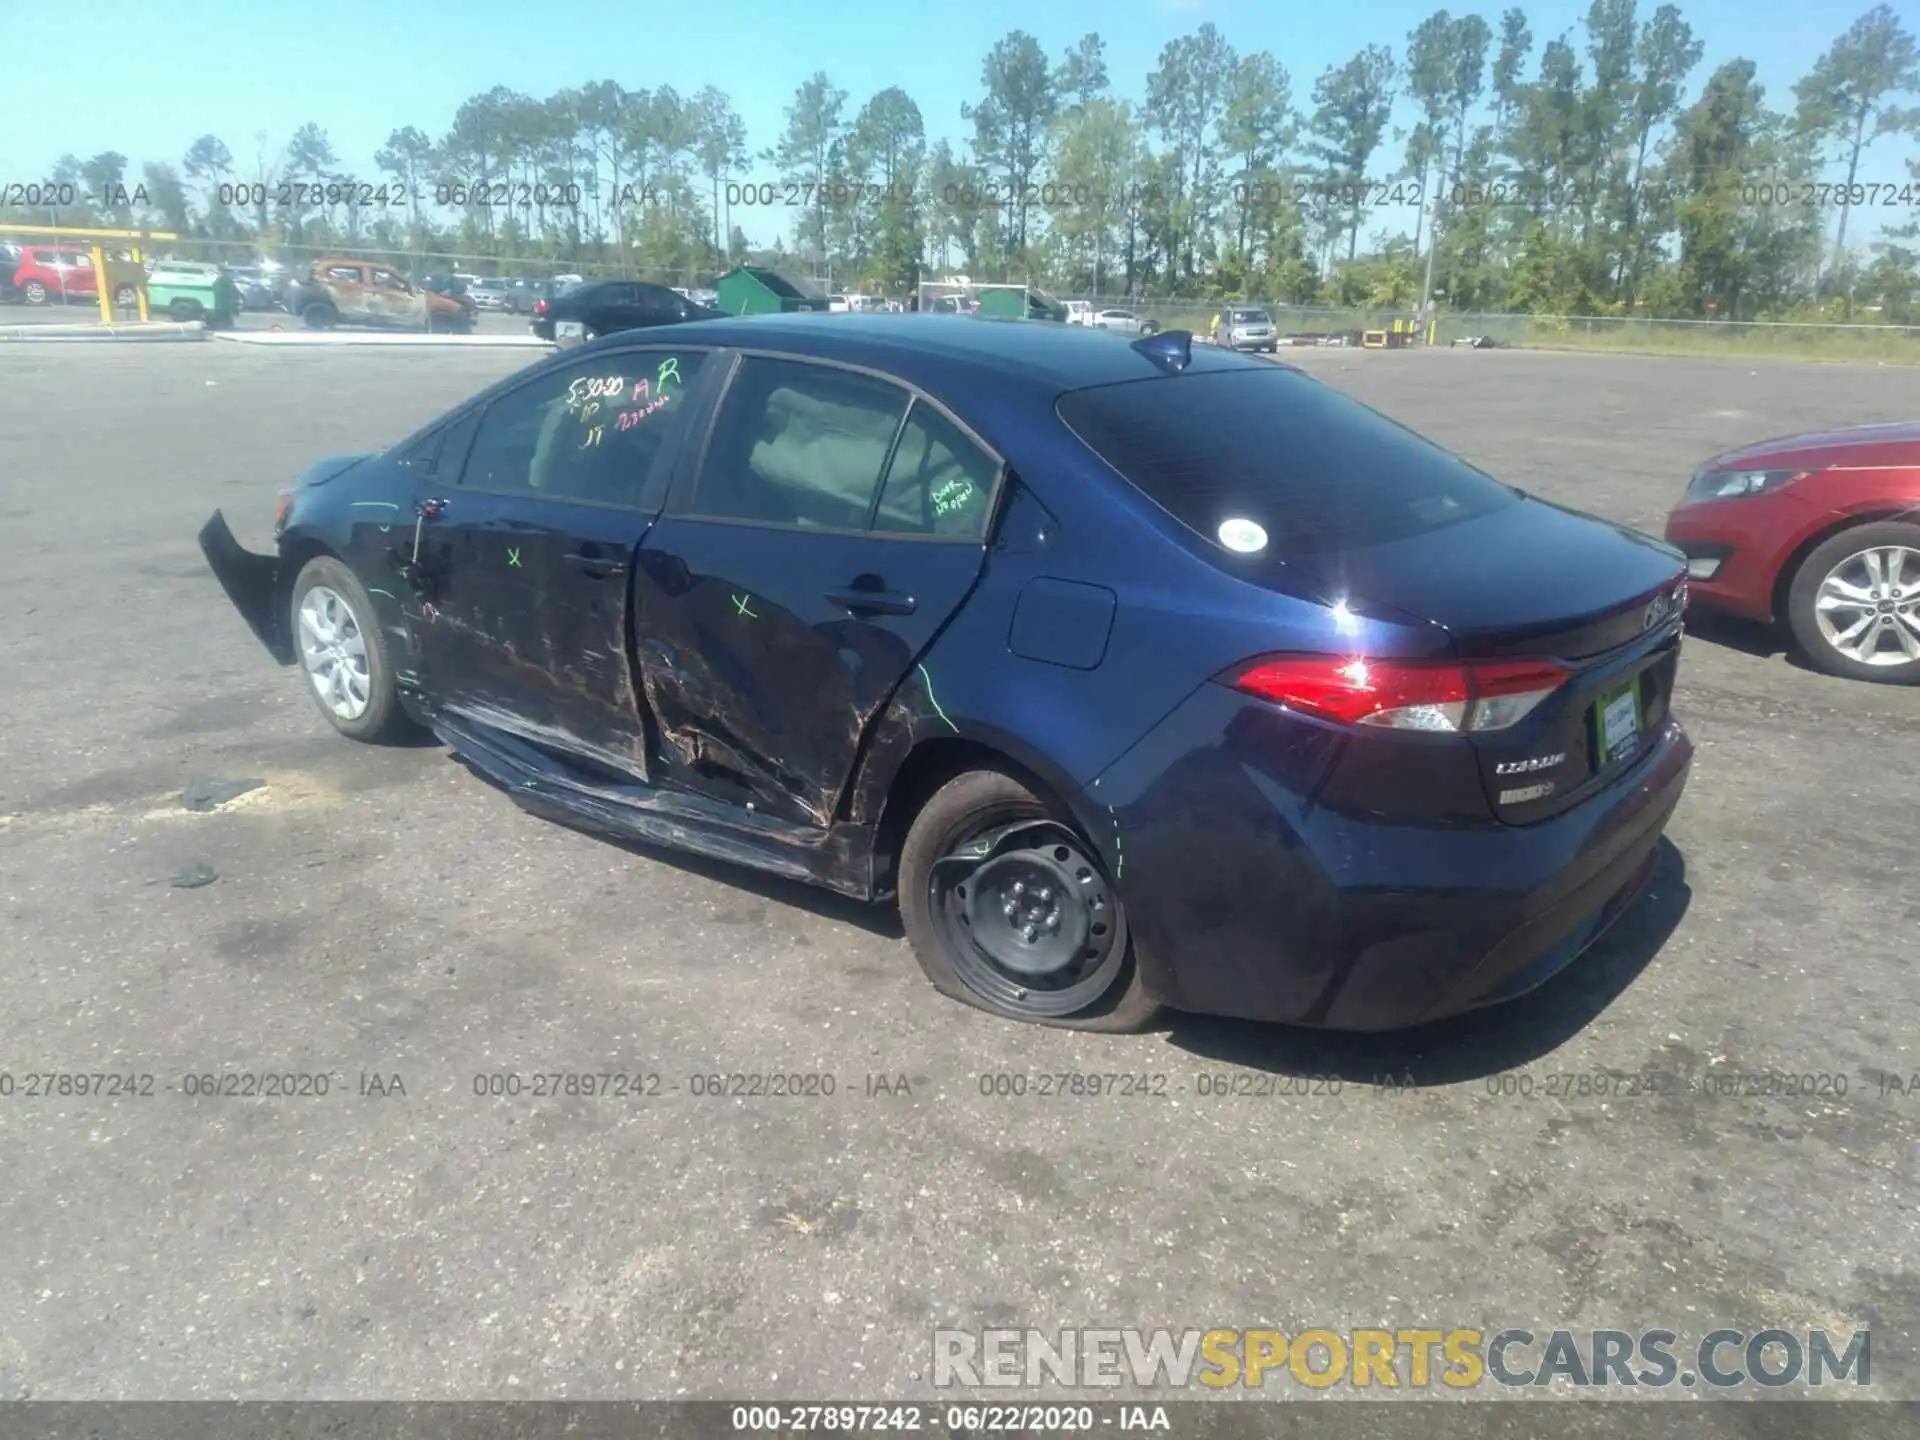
(1527, 767)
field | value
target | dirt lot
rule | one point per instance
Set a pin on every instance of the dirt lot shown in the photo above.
(384, 914)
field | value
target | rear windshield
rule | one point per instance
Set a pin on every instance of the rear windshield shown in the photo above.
(1316, 470)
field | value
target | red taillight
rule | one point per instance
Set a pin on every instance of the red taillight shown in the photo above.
(539, 307)
(1403, 694)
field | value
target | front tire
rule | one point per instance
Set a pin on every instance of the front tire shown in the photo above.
(1009, 910)
(318, 317)
(343, 653)
(1854, 607)
(34, 293)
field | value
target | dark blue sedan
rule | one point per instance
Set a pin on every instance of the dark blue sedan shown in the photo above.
(1139, 673)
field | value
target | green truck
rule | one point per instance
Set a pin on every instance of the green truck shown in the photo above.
(187, 290)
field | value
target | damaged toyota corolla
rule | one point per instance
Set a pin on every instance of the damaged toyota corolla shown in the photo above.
(1139, 674)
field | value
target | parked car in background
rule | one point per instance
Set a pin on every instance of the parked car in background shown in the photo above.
(50, 274)
(1245, 327)
(184, 290)
(359, 292)
(601, 307)
(1123, 322)
(710, 299)
(490, 294)
(9, 262)
(1815, 532)
(255, 286)
(1328, 727)
(451, 287)
(523, 295)
(1079, 312)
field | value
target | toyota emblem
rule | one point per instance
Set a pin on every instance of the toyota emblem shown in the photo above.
(1657, 610)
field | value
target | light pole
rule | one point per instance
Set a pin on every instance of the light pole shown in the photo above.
(1426, 290)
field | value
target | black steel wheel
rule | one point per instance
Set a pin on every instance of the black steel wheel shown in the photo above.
(1009, 909)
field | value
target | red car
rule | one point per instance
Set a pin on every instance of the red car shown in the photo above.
(46, 274)
(1817, 531)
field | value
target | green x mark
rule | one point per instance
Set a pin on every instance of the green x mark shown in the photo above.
(513, 560)
(740, 607)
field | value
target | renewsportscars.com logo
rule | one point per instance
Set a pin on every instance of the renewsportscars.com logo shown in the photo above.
(1414, 1359)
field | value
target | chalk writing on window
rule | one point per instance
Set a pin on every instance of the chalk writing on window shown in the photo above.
(955, 494)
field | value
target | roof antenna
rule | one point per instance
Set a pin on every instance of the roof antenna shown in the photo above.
(1171, 350)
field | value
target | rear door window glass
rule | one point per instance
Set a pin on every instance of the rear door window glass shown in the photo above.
(939, 482)
(799, 444)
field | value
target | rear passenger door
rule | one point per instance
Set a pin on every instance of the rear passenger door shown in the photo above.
(834, 523)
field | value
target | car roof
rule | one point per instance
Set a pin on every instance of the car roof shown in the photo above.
(927, 349)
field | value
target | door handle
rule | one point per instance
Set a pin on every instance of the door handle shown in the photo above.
(594, 565)
(874, 602)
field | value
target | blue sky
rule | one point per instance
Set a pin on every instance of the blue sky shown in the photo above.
(362, 69)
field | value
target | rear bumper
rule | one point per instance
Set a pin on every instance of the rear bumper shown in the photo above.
(252, 583)
(1248, 898)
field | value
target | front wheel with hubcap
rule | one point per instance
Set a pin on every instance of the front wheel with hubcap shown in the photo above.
(1854, 606)
(343, 653)
(1009, 909)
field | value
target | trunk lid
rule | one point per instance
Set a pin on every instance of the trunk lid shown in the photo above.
(1534, 580)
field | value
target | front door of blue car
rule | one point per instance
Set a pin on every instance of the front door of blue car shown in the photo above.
(834, 523)
(521, 621)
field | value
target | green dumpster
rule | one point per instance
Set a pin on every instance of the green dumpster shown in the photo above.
(750, 290)
(1020, 302)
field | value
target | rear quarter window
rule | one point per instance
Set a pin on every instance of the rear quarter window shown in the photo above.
(1316, 470)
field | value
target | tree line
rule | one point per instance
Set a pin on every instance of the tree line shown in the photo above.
(1605, 171)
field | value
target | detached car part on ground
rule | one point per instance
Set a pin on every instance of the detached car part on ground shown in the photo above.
(361, 293)
(1817, 532)
(1138, 673)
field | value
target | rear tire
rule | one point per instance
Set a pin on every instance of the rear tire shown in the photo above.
(1039, 874)
(126, 297)
(318, 317)
(182, 310)
(336, 631)
(1846, 612)
(34, 293)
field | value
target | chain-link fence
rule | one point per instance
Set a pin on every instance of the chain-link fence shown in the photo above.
(1792, 339)
(1296, 324)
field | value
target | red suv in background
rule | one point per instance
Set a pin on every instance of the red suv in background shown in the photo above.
(1817, 531)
